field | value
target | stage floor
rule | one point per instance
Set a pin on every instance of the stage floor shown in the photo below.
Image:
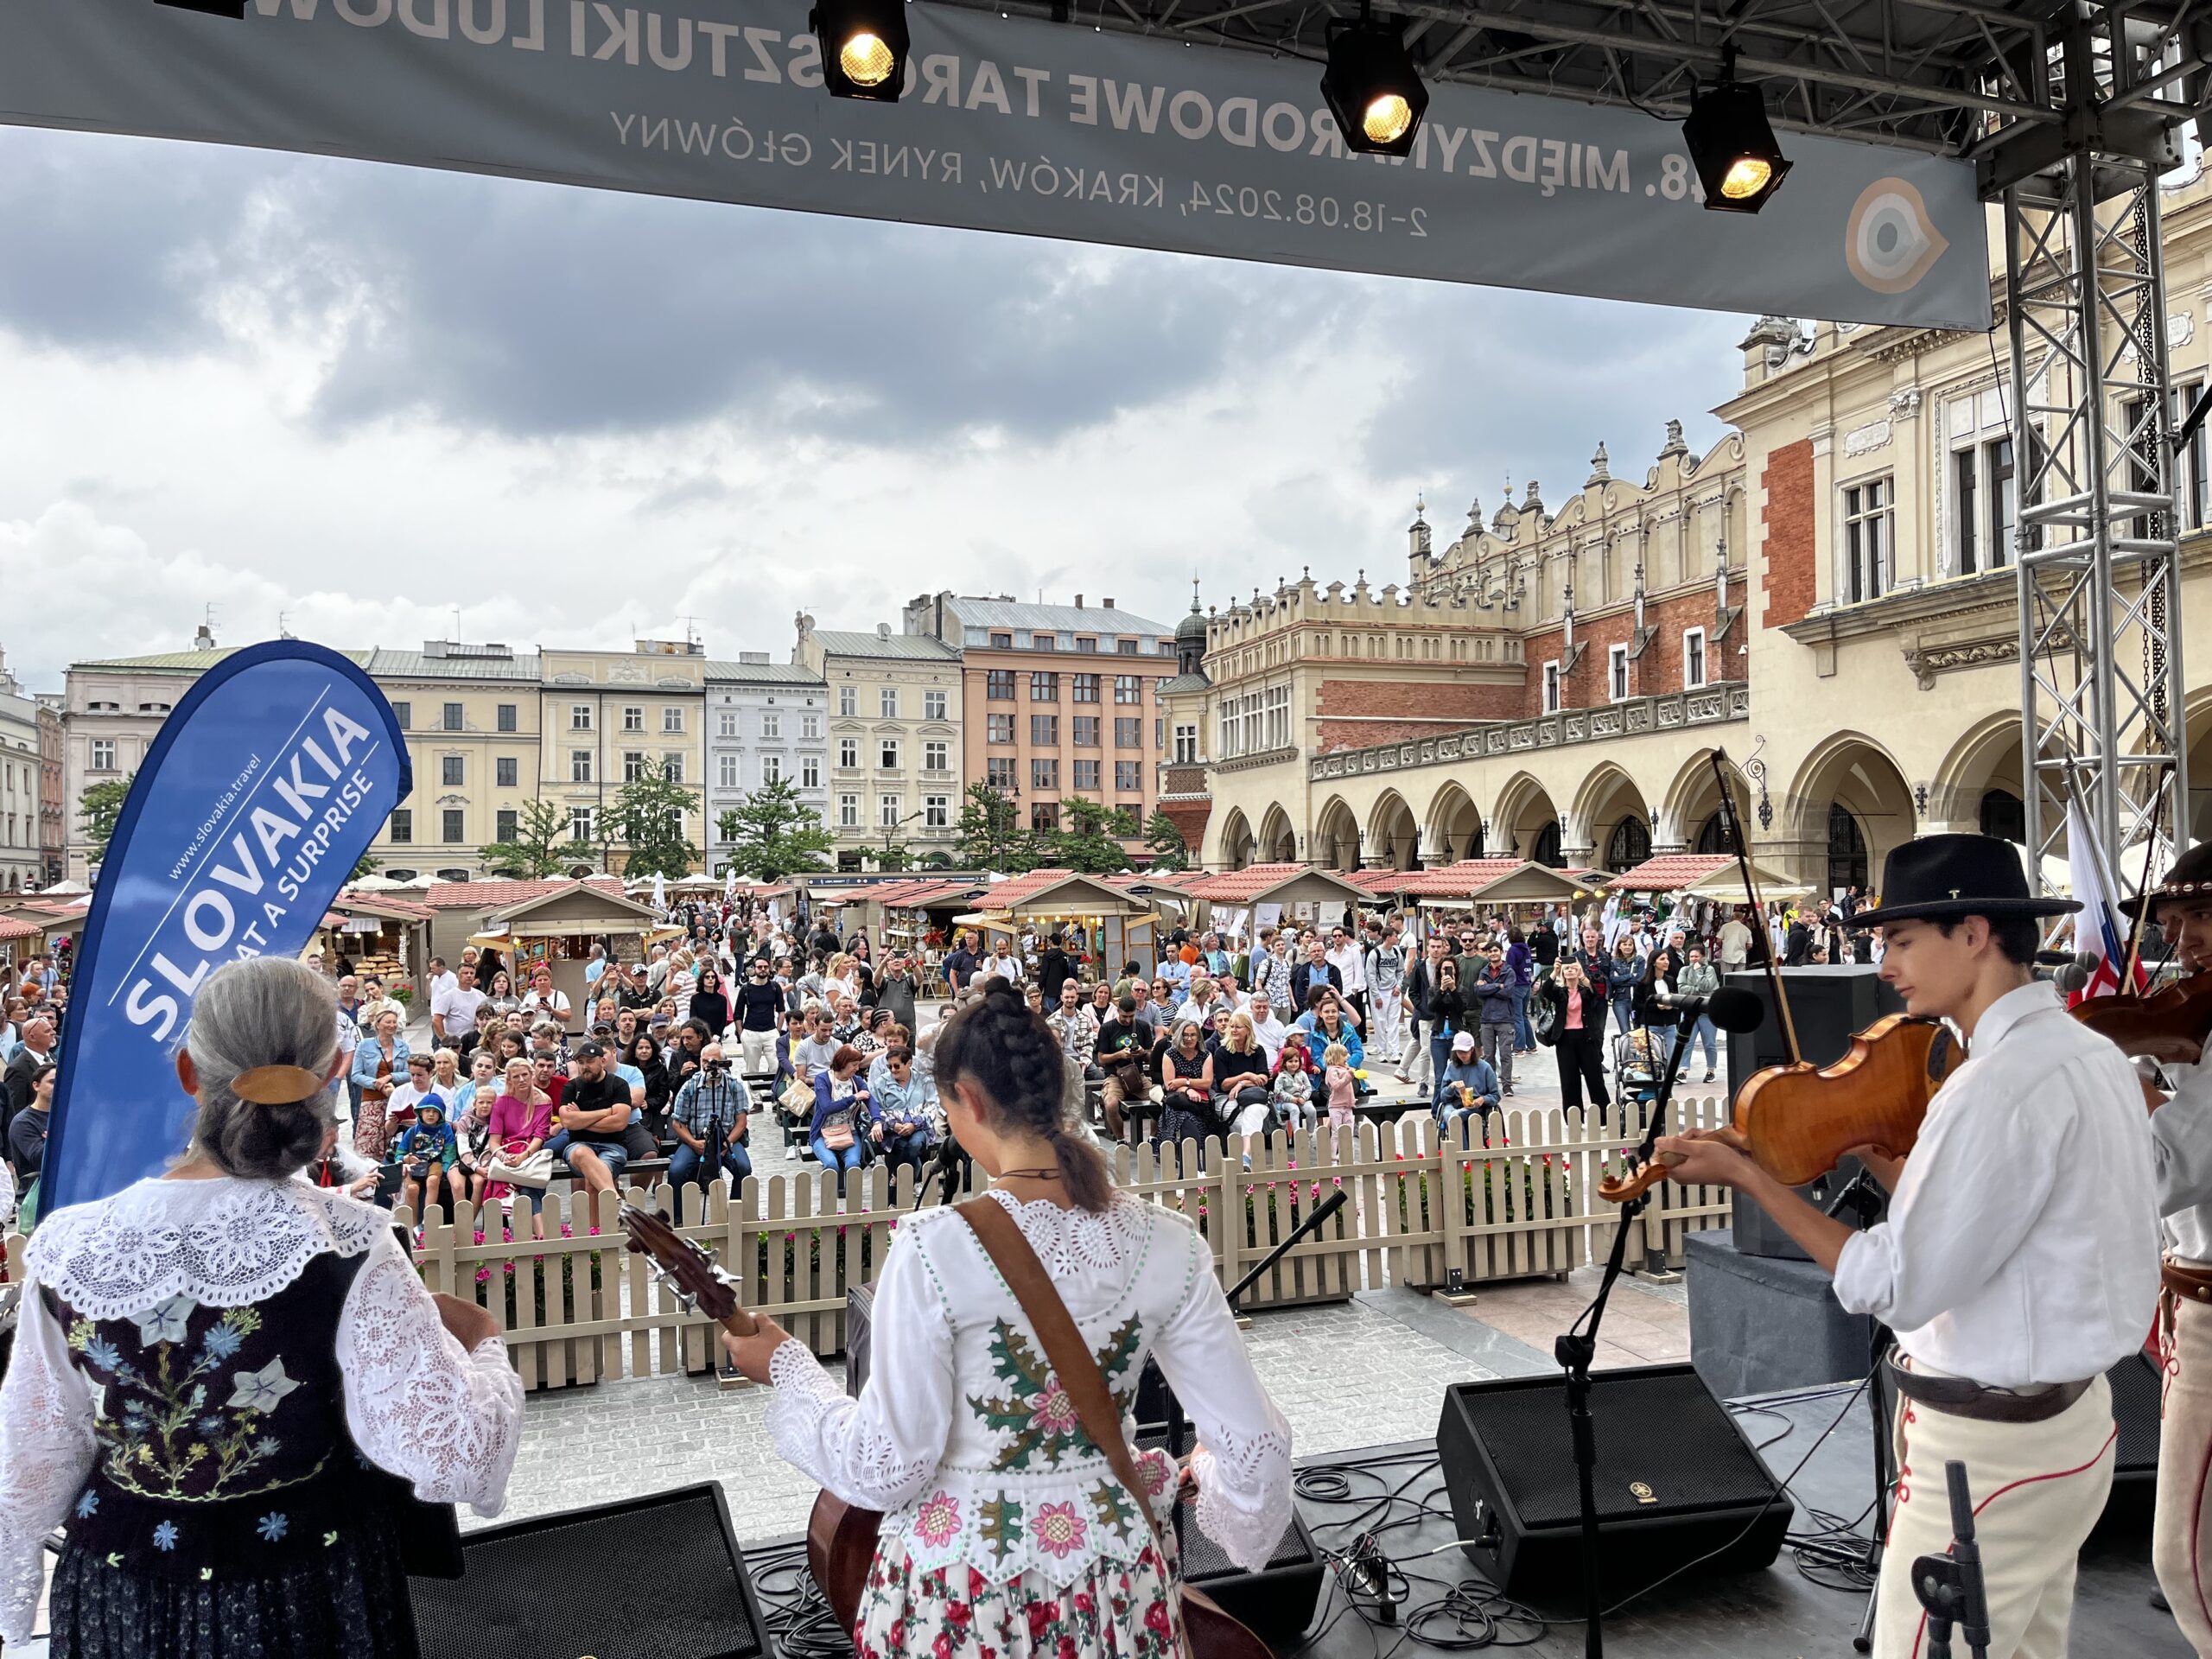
(1779, 1613)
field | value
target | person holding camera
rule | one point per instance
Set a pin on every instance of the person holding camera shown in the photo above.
(709, 1118)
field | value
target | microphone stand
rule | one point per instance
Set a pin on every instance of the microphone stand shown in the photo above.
(1862, 1198)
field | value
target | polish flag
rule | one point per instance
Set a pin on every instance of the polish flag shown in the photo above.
(2096, 927)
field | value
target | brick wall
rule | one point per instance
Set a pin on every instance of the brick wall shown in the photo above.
(1790, 518)
(1657, 671)
(1190, 817)
(1356, 714)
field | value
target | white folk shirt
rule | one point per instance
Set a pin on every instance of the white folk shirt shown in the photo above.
(970, 1424)
(2020, 1247)
(2181, 1143)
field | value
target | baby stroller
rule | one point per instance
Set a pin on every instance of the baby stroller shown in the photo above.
(1636, 1070)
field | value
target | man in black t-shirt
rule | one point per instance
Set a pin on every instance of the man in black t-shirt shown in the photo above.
(1124, 1054)
(760, 1014)
(593, 1115)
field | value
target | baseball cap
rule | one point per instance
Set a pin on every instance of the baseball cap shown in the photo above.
(1463, 1044)
(588, 1050)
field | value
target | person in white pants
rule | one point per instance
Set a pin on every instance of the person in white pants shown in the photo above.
(2020, 1258)
(2181, 1144)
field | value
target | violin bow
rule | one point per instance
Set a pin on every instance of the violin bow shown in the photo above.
(1732, 826)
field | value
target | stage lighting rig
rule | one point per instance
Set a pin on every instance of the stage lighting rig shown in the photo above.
(1371, 86)
(1732, 145)
(864, 47)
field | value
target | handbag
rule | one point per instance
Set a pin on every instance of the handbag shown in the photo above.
(838, 1131)
(1544, 1021)
(536, 1170)
(797, 1100)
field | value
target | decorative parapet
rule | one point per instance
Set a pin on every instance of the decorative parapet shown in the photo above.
(1704, 707)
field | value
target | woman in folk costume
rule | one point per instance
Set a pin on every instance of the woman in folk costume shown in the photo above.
(1004, 1530)
(210, 1364)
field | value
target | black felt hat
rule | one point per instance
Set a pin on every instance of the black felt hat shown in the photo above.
(2190, 878)
(1939, 877)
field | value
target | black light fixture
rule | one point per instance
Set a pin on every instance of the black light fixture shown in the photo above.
(1371, 86)
(213, 8)
(864, 45)
(1732, 144)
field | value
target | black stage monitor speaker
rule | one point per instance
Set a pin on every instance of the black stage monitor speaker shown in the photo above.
(1830, 1005)
(2137, 1395)
(657, 1577)
(1677, 1479)
(1277, 1602)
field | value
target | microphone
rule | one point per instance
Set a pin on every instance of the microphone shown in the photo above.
(2073, 969)
(1729, 1008)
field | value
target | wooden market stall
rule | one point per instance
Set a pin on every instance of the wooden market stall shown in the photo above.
(559, 928)
(1266, 895)
(1516, 887)
(915, 919)
(1114, 926)
(1703, 875)
(378, 933)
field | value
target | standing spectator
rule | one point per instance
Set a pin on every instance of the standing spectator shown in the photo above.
(1490, 1000)
(36, 1050)
(1002, 962)
(1054, 969)
(595, 967)
(453, 1010)
(895, 991)
(710, 1118)
(708, 1001)
(1543, 946)
(959, 964)
(1342, 1085)
(1271, 969)
(440, 979)
(1385, 968)
(1520, 969)
(1345, 956)
(759, 1015)
(1315, 971)
(1419, 996)
(1698, 978)
(544, 1002)
(27, 1130)
(1735, 943)
(1578, 1033)
(1657, 982)
(1075, 1030)
(379, 1066)
(1623, 973)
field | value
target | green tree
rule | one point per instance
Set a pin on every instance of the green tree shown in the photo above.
(369, 865)
(991, 836)
(1086, 839)
(543, 842)
(774, 834)
(101, 804)
(1165, 838)
(648, 814)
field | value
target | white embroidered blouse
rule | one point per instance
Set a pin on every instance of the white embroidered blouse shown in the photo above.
(416, 1403)
(963, 1436)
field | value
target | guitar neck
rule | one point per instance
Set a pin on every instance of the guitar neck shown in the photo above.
(740, 1324)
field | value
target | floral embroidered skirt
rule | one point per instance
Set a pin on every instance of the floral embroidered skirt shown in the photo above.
(1123, 1609)
(349, 1602)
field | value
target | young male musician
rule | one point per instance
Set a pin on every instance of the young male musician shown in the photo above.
(2181, 1144)
(2020, 1259)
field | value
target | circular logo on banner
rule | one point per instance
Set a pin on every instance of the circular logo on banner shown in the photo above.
(1891, 243)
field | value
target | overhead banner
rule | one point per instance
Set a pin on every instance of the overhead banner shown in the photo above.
(255, 801)
(1013, 124)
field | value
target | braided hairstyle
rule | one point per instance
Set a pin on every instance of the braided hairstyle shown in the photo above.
(1011, 1055)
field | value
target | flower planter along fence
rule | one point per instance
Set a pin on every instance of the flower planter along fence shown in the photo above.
(577, 1307)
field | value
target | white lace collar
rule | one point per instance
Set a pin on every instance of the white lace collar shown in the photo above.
(1067, 1241)
(225, 1243)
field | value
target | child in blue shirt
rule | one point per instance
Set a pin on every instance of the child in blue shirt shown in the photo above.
(427, 1154)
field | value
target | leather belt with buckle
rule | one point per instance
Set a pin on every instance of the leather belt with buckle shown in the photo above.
(1961, 1396)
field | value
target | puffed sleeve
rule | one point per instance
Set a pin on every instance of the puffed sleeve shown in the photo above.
(1242, 1462)
(881, 1450)
(418, 1404)
(46, 1451)
(2181, 1140)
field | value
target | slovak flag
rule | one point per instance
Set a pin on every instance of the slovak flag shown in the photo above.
(2096, 927)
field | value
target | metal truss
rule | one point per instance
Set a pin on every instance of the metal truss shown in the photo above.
(1958, 77)
(2100, 629)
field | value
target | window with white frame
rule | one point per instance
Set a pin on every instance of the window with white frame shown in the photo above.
(726, 723)
(849, 700)
(936, 755)
(886, 699)
(671, 766)
(633, 717)
(633, 764)
(886, 756)
(772, 768)
(579, 766)
(1278, 717)
(1187, 745)
(726, 771)
(102, 756)
(937, 811)
(2190, 464)
(580, 824)
(1693, 657)
(849, 812)
(1551, 687)
(772, 724)
(849, 752)
(933, 705)
(810, 725)
(1617, 673)
(889, 809)
(580, 716)
(1869, 529)
(671, 719)
(809, 772)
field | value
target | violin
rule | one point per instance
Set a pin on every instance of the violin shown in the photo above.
(2167, 1024)
(1797, 1122)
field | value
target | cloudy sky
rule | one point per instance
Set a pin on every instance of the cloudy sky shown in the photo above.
(360, 397)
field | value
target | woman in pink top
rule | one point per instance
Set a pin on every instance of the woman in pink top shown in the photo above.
(522, 1118)
(1578, 1029)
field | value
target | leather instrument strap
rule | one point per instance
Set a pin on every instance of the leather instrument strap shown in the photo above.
(1065, 1351)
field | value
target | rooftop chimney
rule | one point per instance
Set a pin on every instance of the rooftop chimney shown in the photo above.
(1078, 601)
(203, 637)
(1107, 603)
(883, 630)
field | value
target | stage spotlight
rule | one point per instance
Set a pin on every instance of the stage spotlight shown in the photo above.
(1732, 145)
(1371, 86)
(213, 8)
(864, 46)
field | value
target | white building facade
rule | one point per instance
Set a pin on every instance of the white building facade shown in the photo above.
(765, 722)
(21, 868)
